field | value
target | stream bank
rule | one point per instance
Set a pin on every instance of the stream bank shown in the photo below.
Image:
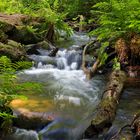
(66, 93)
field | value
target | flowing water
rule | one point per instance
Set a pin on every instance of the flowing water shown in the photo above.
(67, 95)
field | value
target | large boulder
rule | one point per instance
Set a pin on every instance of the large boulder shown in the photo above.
(33, 48)
(18, 27)
(24, 35)
(31, 120)
(13, 50)
(30, 114)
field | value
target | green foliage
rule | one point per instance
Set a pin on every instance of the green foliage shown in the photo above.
(7, 66)
(43, 9)
(10, 88)
(102, 54)
(75, 7)
(117, 18)
(53, 11)
(20, 65)
(116, 65)
(7, 122)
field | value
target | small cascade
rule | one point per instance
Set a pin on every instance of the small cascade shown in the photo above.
(69, 60)
(62, 63)
(65, 59)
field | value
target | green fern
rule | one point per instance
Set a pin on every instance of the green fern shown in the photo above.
(116, 64)
(10, 88)
(102, 55)
(7, 66)
(47, 10)
(20, 65)
(117, 18)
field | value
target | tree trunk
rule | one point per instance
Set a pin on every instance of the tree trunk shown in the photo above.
(51, 33)
(106, 110)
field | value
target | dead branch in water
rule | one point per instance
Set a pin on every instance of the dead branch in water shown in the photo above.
(91, 71)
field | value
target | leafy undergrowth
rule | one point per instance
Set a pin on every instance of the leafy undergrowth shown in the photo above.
(43, 10)
(10, 88)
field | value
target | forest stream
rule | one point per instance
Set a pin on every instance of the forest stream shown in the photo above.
(67, 96)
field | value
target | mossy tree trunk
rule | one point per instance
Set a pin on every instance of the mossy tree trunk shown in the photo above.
(50, 33)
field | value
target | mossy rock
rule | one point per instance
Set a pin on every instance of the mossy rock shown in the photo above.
(3, 36)
(27, 119)
(13, 27)
(6, 27)
(13, 50)
(33, 48)
(24, 35)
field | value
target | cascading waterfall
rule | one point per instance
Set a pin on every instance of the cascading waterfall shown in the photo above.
(65, 59)
(66, 85)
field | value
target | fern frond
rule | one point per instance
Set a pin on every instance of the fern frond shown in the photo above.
(22, 65)
(5, 64)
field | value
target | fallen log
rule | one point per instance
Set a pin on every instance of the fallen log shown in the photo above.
(106, 109)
